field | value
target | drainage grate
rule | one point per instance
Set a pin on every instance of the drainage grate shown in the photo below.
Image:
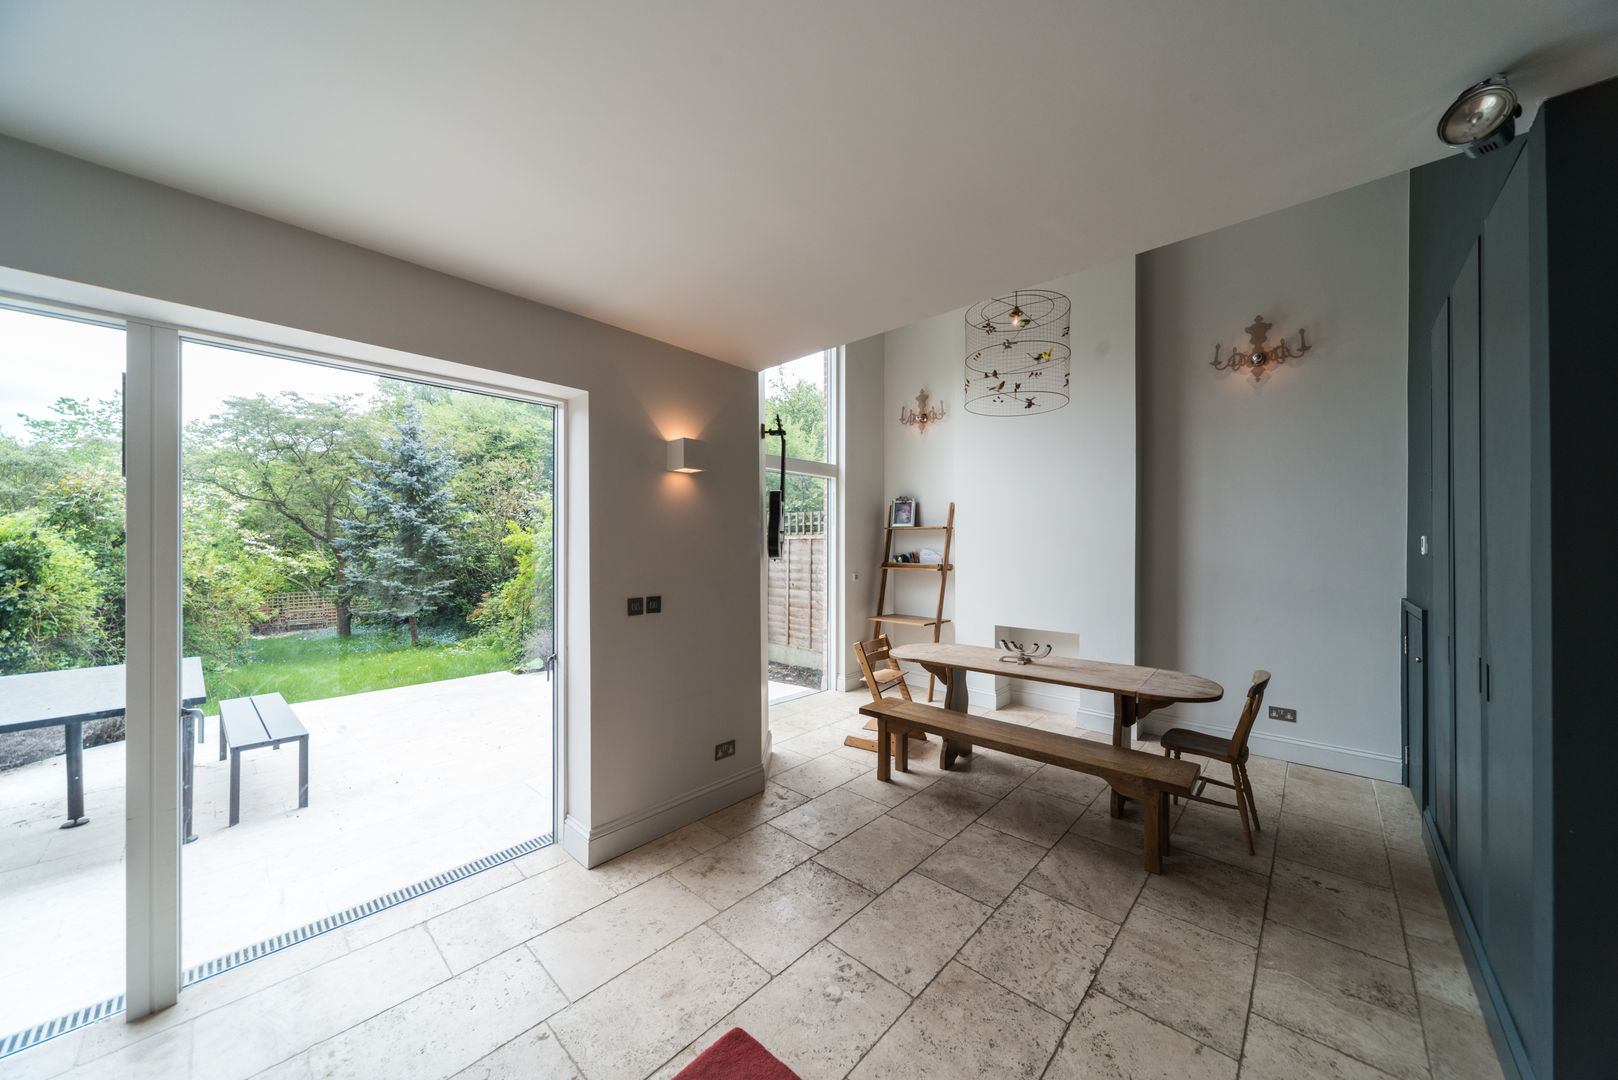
(39, 1033)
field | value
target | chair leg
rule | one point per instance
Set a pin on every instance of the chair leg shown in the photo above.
(1241, 807)
(1252, 805)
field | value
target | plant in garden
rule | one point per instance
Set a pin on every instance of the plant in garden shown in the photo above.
(518, 615)
(292, 460)
(48, 596)
(401, 547)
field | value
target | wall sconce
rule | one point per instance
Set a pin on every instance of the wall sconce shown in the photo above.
(1256, 358)
(923, 414)
(687, 456)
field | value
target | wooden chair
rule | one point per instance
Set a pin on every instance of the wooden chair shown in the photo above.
(881, 673)
(1232, 751)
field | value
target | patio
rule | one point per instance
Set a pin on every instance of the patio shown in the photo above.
(404, 784)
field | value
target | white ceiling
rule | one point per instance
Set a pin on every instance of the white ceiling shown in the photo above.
(756, 180)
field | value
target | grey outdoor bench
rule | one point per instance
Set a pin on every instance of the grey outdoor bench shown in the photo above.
(247, 723)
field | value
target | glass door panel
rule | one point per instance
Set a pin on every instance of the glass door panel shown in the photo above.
(797, 598)
(61, 689)
(368, 568)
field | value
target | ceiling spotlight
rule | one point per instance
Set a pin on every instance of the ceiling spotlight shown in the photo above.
(1483, 118)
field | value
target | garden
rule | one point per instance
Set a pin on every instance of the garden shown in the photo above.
(416, 520)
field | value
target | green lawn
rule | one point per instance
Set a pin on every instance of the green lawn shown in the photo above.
(311, 667)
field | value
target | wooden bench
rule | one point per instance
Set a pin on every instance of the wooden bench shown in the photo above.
(247, 723)
(1132, 773)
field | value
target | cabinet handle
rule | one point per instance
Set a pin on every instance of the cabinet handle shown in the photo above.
(1488, 682)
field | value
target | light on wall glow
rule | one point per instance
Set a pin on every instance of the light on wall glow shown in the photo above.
(687, 456)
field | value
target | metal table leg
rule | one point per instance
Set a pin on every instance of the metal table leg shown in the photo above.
(74, 733)
(189, 719)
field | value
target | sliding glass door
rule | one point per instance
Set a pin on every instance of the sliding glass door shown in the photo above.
(61, 692)
(368, 567)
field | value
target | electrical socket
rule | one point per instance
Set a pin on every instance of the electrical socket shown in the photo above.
(1290, 716)
(724, 750)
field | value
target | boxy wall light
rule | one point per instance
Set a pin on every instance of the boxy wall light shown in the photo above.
(687, 456)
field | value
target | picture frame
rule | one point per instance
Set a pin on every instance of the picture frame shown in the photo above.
(902, 515)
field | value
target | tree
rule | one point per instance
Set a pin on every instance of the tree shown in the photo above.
(801, 405)
(295, 459)
(401, 548)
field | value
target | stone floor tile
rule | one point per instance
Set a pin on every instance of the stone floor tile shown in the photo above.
(820, 1016)
(1181, 975)
(591, 948)
(1069, 784)
(1333, 797)
(1127, 832)
(826, 819)
(1415, 879)
(1042, 949)
(907, 934)
(945, 808)
(474, 932)
(1354, 1003)
(534, 1053)
(56, 1056)
(964, 1026)
(1217, 834)
(1401, 817)
(1351, 852)
(992, 773)
(786, 918)
(892, 792)
(754, 810)
(255, 1032)
(448, 1027)
(1273, 1052)
(1441, 973)
(637, 1021)
(1110, 1041)
(647, 861)
(880, 853)
(167, 1054)
(1032, 815)
(1207, 893)
(820, 775)
(982, 863)
(782, 760)
(1091, 875)
(738, 866)
(1458, 1043)
(1337, 908)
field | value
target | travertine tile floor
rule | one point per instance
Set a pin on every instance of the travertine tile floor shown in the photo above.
(989, 922)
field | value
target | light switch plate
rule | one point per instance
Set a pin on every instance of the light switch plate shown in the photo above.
(654, 604)
(636, 605)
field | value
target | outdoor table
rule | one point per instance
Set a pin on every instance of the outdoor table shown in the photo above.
(1136, 691)
(69, 698)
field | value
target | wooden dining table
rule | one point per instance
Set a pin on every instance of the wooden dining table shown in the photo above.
(1136, 691)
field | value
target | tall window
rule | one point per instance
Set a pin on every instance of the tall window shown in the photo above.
(799, 599)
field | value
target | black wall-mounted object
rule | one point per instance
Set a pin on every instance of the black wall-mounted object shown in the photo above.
(778, 496)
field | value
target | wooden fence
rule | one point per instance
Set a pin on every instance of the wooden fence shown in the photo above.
(797, 592)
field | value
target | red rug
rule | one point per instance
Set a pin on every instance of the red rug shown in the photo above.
(736, 1056)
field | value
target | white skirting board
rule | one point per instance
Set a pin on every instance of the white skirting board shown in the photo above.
(594, 846)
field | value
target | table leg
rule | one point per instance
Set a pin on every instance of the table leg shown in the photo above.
(956, 698)
(189, 719)
(883, 746)
(74, 734)
(235, 786)
(303, 771)
(1123, 723)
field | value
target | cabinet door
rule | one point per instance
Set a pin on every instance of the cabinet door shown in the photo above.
(1508, 599)
(1466, 523)
(1440, 756)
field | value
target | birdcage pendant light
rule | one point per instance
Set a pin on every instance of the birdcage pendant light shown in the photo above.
(1018, 360)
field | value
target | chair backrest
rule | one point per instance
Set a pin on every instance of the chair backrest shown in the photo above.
(1255, 700)
(871, 654)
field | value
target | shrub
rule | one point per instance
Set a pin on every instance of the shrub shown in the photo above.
(49, 591)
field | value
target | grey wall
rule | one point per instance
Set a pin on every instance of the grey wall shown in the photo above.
(860, 502)
(649, 697)
(1272, 513)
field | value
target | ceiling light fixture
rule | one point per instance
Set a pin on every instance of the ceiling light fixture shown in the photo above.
(1482, 119)
(1024, 366)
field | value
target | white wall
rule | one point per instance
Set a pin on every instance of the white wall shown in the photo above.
(647, 698)
(1045, 523)
(860, 531)
(1272, 515)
